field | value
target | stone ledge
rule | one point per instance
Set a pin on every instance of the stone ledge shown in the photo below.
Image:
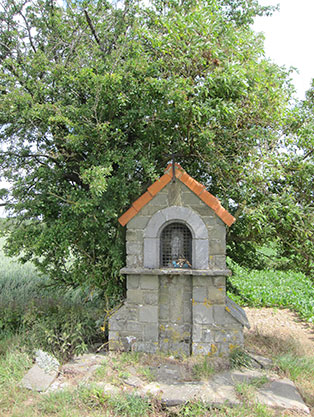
(175, 271)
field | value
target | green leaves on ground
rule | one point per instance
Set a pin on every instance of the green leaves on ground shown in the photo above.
(273, 289)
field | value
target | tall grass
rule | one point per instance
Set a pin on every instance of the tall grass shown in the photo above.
(62, 322)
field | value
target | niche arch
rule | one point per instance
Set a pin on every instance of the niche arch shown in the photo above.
(169, 215)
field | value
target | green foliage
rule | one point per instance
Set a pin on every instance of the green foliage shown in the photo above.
(92, 111)
(239, 358)
(272, 289)
(295, 367)
(203, 369)
(130, 406)
(63, 323)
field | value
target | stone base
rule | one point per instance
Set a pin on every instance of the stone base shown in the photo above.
(176, 314)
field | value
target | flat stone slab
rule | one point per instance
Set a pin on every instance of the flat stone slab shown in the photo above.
(38, 379)
(173, 386)
(282, 393)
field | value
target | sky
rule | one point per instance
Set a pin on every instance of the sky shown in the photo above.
(289, 37)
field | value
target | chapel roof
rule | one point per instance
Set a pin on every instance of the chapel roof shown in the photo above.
(196, 187)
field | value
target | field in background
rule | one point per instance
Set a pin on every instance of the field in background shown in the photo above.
(271, 288)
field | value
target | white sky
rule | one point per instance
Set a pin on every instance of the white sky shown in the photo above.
(289, 39)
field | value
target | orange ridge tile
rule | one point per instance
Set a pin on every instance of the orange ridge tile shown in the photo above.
(210, 200)
(127, 216)
(228, 218)
(192, 184)
(142, 201)
(159, 184)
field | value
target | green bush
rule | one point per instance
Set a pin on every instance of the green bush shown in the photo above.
(272, 289)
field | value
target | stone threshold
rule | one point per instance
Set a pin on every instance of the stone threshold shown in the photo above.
(175, 271)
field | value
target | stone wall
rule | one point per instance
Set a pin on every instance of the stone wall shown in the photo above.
(176, 194)
(182, 311)
(175, 314)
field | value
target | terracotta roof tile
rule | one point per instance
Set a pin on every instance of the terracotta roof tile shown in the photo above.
(142, 201)
(210, 200)
(190, 182)
(127, 216)
(159, 184)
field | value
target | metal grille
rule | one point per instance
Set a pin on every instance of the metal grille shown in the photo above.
(176, 246)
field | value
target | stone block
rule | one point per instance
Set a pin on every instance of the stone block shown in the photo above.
(217, 247)
(202, 314)
(135, 296)
(117, 325)
(38, 379)
(219, 314)
(220, 281)
(133, 312)
(150, 297)
(201, 254)
(217, 261)
(219, 231)
(197, 332)
(199, 294)
(132, 282)
(138, 222)
(151, 332)
(134, 261)
(187, 312)
(151, 252)
(163, 311)
(222, 336)
(134, 236)
(202, 281)
(134, 327)
(160, 200)
(163, 298)
(134, 248)
(149, 282)
(216, 295)
(191, 199)
(149, 210)
(205, 211)
(208, 336)
(148, 347)
(199, 348)
(148, 314)
(154, 224)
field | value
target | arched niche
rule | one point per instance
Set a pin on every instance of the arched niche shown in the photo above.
(183, 215)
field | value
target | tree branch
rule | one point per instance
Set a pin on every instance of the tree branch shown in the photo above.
(90, 24)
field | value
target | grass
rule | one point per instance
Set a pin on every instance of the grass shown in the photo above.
(287, 289)
(58, 321)
(203, 369)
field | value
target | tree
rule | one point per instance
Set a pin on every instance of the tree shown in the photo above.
(95, 98)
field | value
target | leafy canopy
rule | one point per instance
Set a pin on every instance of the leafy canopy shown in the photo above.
(94, 99)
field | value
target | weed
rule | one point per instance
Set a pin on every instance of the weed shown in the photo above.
(92, 396)
(258, 381)
(130, 406)
(147, 373)
(296, 366)
(239, 358)
(203, 369)
(56, 402)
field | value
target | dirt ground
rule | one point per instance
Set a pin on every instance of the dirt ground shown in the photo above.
(270, 327)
